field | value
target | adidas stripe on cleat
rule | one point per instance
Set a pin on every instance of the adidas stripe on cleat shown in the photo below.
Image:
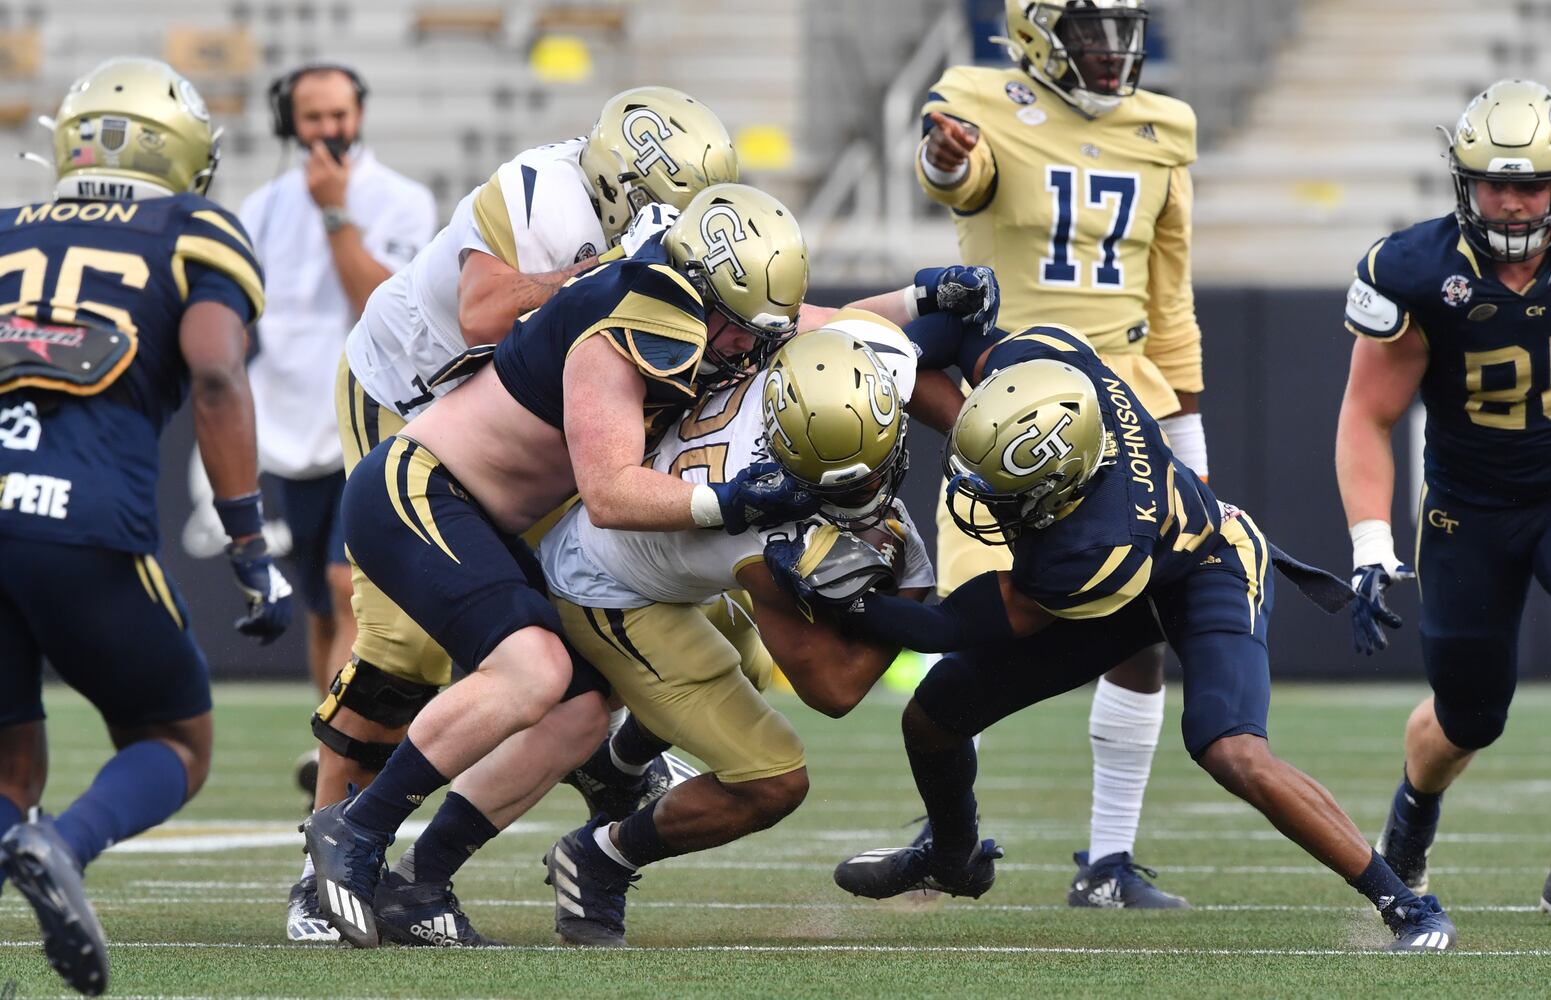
(1422, 927)
(1117, 882)
(424, 915)
(349, 864)
(892, 871)
(589, 890)
(304, 921)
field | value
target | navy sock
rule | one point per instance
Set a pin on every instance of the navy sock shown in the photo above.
(946, 782)
(141, 786)
(456, 831)
(10, 814)
(1384, 888)
(639, 840)
(397, 791)
(636, 745)
(1417, 808)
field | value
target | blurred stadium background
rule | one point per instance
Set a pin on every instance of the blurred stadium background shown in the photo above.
(1317, 130)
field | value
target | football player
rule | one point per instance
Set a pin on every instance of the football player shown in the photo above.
(1072, 182)
(1116, 545)
(120, 298)
(542, 218)
(828, 410)
(1456, 307)
(433, 515)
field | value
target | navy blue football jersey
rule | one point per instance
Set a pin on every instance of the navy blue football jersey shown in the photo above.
(87, 472)
(1144, 520)
(1487, 387)
(650, 313)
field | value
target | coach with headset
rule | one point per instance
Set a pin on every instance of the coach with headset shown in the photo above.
(327, 231)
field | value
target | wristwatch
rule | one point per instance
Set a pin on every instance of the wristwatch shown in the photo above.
(335, 218)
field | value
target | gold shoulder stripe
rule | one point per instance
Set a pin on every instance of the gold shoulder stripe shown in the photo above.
(214, 253)
(218, 221)
(1373, 256)
(494, 222)
(1110, 603)
(1464, 247)
(1116, 556)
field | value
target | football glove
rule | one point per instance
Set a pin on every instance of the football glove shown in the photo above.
(1370, 610)
(762, 496)
(266, 591)
(971, 292)
(650, 221)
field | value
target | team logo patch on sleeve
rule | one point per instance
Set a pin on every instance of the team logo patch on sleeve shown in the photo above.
(1457, 290)
(1019, 93)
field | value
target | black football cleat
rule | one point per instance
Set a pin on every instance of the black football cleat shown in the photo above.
(42, 867)
(615, 796)
(1406, 848)
(589, 890)
(424, 915)
(893, 871)
(1421, 927)
(349, 861)
(1117, 882)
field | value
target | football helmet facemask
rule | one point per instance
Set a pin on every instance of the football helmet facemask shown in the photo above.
(743, 252)
(1503, 136)
(1027, 443)
(130, 129)
(835, 423)
(653, 144)
(1053, 42)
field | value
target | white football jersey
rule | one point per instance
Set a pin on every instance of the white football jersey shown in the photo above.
(535, 214)
(607, 568)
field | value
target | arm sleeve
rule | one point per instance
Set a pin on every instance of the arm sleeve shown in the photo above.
(1174, 341)
(1089, 584)
(1372, 308)
(973, 615)
(954, 96)
(401, 227)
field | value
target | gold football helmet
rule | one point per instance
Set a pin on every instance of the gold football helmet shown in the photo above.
(133, 128)
(1503, 136)
(654, 144)
(742, 250)
(1026, 444)
(888, 342)
(1088, 51)
(834, 422)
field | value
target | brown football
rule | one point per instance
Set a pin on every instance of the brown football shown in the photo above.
(892, 544)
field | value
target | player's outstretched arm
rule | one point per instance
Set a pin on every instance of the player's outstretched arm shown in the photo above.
(986, 610)
(214, 344)
(492, 295)
(830, 671)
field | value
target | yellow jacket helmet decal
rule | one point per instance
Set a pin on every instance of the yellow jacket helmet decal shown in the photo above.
(1026, 444)
(654, 144)
(133, 128)
(1504, 135)
(835, 423)
(1070, 45)
(743, 251)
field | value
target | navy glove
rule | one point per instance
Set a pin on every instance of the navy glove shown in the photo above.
(962, 290)
(1370, 611)
(266, 591)
(762, 496)
(781, 558)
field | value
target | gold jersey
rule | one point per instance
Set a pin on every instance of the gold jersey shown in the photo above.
(1085, 221)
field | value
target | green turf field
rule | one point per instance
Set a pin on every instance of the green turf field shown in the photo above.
(196, 909)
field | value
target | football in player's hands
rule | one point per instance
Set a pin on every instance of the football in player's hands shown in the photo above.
(888, 537)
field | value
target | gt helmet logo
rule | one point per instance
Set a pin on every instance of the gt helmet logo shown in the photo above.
(878, 386)
(1045, 449)
(647, 140)
(719, 239)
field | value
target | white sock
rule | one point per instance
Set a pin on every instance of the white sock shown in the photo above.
(1123, 730)
(601, 837)
(307, 869)
(635, 769)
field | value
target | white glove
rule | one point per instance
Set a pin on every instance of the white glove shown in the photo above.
(1187, 439)
(648, 222)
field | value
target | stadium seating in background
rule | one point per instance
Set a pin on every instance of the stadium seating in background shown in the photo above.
(220, 62)
(21, 54)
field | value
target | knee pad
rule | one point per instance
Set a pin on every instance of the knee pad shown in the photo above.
(375, 696)
(1472, 680)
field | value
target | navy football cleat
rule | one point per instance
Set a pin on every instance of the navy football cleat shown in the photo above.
(304, 921)
(589, 890)
(1545, 896)
(1116, 882)
(423, 915)
(349, 861)
(1405, 848)
(893, 871)
(616, 800)
(42, 867)
(1424, 927)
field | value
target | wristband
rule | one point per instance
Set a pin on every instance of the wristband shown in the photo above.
(911, 296)
(704, 507)
(1373, 545)
(943, 178)
(241, 516)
